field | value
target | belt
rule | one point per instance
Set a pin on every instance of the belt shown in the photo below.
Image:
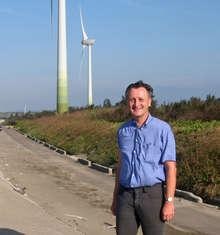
(142, 188)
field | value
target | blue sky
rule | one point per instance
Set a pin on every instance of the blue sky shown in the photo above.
(171, 44)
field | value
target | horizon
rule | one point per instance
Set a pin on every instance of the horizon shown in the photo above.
(112, 105)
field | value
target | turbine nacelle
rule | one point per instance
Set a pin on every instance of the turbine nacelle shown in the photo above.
(88, 42)
(85, 40)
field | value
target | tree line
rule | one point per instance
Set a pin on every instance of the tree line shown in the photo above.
(192, 109)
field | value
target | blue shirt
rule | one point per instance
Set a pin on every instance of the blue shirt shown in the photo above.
(143, 152)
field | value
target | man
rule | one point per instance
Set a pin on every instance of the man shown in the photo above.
(146, 161)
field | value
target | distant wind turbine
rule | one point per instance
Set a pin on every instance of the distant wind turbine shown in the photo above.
(62, 84)
(25, 109)
(86, 42)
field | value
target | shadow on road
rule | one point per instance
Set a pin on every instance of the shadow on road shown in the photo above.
(6, 231)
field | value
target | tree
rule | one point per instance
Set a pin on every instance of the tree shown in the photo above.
(107, 103)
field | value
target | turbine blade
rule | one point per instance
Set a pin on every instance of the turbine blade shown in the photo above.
(85, 37)
(51, 15)
(82, 60)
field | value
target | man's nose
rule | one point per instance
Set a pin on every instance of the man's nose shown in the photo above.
(136, 102)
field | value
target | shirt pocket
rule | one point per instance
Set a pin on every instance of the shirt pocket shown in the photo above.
(152, 153)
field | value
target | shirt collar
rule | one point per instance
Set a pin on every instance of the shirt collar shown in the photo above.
(149, 118)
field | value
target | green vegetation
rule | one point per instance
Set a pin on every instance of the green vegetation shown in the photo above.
(77, 133)
(198, 157)
(93, 132)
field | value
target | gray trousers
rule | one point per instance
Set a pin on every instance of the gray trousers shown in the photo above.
(140, 206)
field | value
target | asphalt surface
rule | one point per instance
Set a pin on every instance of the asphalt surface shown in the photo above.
(43, 192)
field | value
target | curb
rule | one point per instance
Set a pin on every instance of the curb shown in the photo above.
(50, 146)
(81, 160)
(188, 195)
(108, 170)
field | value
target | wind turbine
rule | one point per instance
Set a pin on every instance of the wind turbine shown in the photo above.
(62, 84)
(25, 109)
(86, 42)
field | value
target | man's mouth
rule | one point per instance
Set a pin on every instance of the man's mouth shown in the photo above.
(136, 109)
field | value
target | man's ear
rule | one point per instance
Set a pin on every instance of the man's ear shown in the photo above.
(150, 101)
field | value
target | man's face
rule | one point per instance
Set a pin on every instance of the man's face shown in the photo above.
(139, 102)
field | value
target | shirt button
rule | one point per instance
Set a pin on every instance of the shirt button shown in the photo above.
(134, 151)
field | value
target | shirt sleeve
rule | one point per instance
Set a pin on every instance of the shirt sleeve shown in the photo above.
(118, 137)
(169, 146)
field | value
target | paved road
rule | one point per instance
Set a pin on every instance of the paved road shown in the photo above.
(44, 193)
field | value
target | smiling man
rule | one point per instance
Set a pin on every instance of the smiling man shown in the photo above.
(147, 161)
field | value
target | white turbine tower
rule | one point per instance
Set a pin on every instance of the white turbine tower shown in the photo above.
(25, 109)
(62, 85)
(86, 42)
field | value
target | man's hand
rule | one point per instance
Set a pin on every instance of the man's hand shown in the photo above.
(168, 211)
